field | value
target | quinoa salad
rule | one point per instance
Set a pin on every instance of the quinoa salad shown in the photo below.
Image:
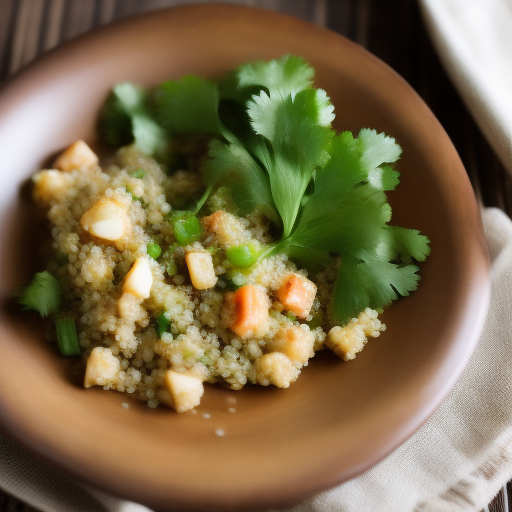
(158, 327)
(210, 251)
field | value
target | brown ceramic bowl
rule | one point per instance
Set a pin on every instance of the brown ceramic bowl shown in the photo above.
(280, 446)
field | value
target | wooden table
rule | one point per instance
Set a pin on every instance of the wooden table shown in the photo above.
(392, 29)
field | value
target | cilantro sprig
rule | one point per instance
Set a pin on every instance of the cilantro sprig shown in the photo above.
(272, 145)
(348, 215)
(126, 117)
(44, 295)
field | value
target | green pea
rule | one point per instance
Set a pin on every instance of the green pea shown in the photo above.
(187, 230)
(242, 256)
(154, 250)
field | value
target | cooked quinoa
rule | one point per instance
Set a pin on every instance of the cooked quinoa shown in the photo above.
(157, 326)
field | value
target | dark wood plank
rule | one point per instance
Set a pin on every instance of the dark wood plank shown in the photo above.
(50, 25)
(105, 11)
(78, 18)
(11, 504)
(340, 17)
(500, 502)
(25, 37)
(7, 14)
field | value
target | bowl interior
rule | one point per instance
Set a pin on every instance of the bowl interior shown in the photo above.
(279, 446)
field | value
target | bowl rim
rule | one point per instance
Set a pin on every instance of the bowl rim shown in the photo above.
(288, 493)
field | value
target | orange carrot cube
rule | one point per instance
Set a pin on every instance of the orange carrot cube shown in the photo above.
(297, 294)
(250, 311)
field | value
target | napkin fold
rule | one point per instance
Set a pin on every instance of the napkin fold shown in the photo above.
(474, 41)
(456, 462)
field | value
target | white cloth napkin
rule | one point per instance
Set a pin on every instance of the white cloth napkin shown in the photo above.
(474, 41)
(457, 462)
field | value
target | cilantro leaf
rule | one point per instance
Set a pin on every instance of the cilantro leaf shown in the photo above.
(325, 221)
(350, 295)
(231, 165)
(124, 100)
(268, 113)
(298, 142)
(348, 216)
(376, 150)
(348, 225)
(370, 283)
(126, 118)
(312, 259)
(384, 178)
(148, 135)
(283, 76)
(189, 106)
(43, 294)
(408, 243)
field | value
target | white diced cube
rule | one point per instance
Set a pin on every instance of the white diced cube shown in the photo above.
(49, 185)
(107, 219)
(77, 156)
(139, 279)
(185, 390)
(102, 367)
(200, 268)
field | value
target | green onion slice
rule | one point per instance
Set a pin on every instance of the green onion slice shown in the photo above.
(66, 337)
(162, 324)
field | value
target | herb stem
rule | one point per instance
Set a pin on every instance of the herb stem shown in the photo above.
(273, 249)
(203, 199)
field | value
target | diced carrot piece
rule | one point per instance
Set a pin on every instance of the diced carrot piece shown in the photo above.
(250, 314)
(297, 294)
(211, 223)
